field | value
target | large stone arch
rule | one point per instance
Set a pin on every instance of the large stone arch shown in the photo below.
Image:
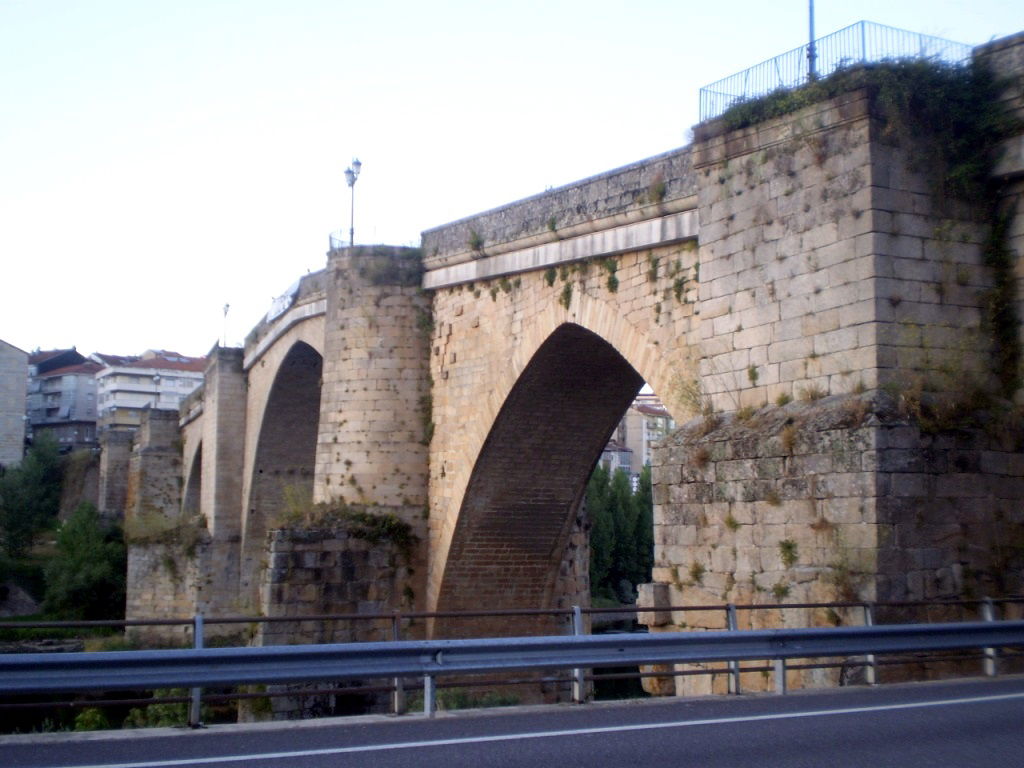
(528, 480)
(283, 447)
(487, 347)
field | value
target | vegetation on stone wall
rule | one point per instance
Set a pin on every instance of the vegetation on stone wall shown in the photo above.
(381, 265)
(367, 522)
(955, 106)
(181, 533)
(621, 533)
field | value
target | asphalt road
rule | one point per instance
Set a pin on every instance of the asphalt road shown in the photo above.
(962, 723)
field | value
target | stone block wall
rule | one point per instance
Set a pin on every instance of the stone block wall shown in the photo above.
(81, 481)
(374, 419)
(1006, 58)
(332, 571)
(115, 452)
(161, 545)
(952, 518)
(161, 579)
(827, 264)
(844, 499)
(219, 477)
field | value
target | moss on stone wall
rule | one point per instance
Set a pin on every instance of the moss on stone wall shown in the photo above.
(181, 533)
(383, 265)
(365, 522)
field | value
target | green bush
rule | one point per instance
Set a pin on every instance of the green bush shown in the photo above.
(87, 578)
(30, 496)
(169, 714)
(91, 719)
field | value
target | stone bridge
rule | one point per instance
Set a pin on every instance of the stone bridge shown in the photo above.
(795, 290)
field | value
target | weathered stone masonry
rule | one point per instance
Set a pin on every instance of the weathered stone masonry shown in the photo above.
(804, 260)
(829, 268)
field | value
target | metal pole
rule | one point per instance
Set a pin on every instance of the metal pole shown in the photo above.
(991, 662)
(352, 218)
(195, 705)
(871, 666)
(398, 702)
(780, 676)
(812, 54)
(579, 690)
(734, 666)
(428, 695)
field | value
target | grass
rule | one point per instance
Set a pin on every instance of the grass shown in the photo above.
(788, 552)
(697, 571)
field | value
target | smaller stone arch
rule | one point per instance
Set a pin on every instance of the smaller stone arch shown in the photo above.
(191, 499)
(285, 447)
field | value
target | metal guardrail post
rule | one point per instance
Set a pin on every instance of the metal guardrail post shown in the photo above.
(428, 695)
(195, 705)
(398, 701)
(991, 664)
(780, 676)
(579, 688)
(734, 666)
(871, 665)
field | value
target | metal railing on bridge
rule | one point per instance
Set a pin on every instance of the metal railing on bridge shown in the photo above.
(858, 43)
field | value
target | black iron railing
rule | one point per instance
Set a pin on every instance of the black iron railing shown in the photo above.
(858, 43)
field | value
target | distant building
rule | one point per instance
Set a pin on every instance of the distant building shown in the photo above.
(61, 397)
(13, 368)
(645, 422)
(157, 379)
(617, 456)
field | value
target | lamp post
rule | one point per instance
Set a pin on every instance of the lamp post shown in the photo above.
(351, 174)
(812, 53)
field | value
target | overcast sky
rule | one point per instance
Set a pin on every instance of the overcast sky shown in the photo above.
(161, 159)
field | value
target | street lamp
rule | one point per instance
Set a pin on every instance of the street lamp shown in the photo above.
(351, 174)
(812, 53)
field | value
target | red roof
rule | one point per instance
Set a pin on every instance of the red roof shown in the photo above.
(182, 364)
(113, 359)
(157, 359)
(88, 367)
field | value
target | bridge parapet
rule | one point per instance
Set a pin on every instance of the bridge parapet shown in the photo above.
(306, 298)
(643, 190)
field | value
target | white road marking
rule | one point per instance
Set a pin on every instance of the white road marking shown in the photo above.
(547, 734)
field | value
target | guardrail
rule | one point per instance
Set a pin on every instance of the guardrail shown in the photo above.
(429, 659)
(396, 625)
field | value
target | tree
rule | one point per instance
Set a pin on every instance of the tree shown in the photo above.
(624, 551)
(30, 496)
(644, 534)
(621, 533)
(602, 536)
(87, 578)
